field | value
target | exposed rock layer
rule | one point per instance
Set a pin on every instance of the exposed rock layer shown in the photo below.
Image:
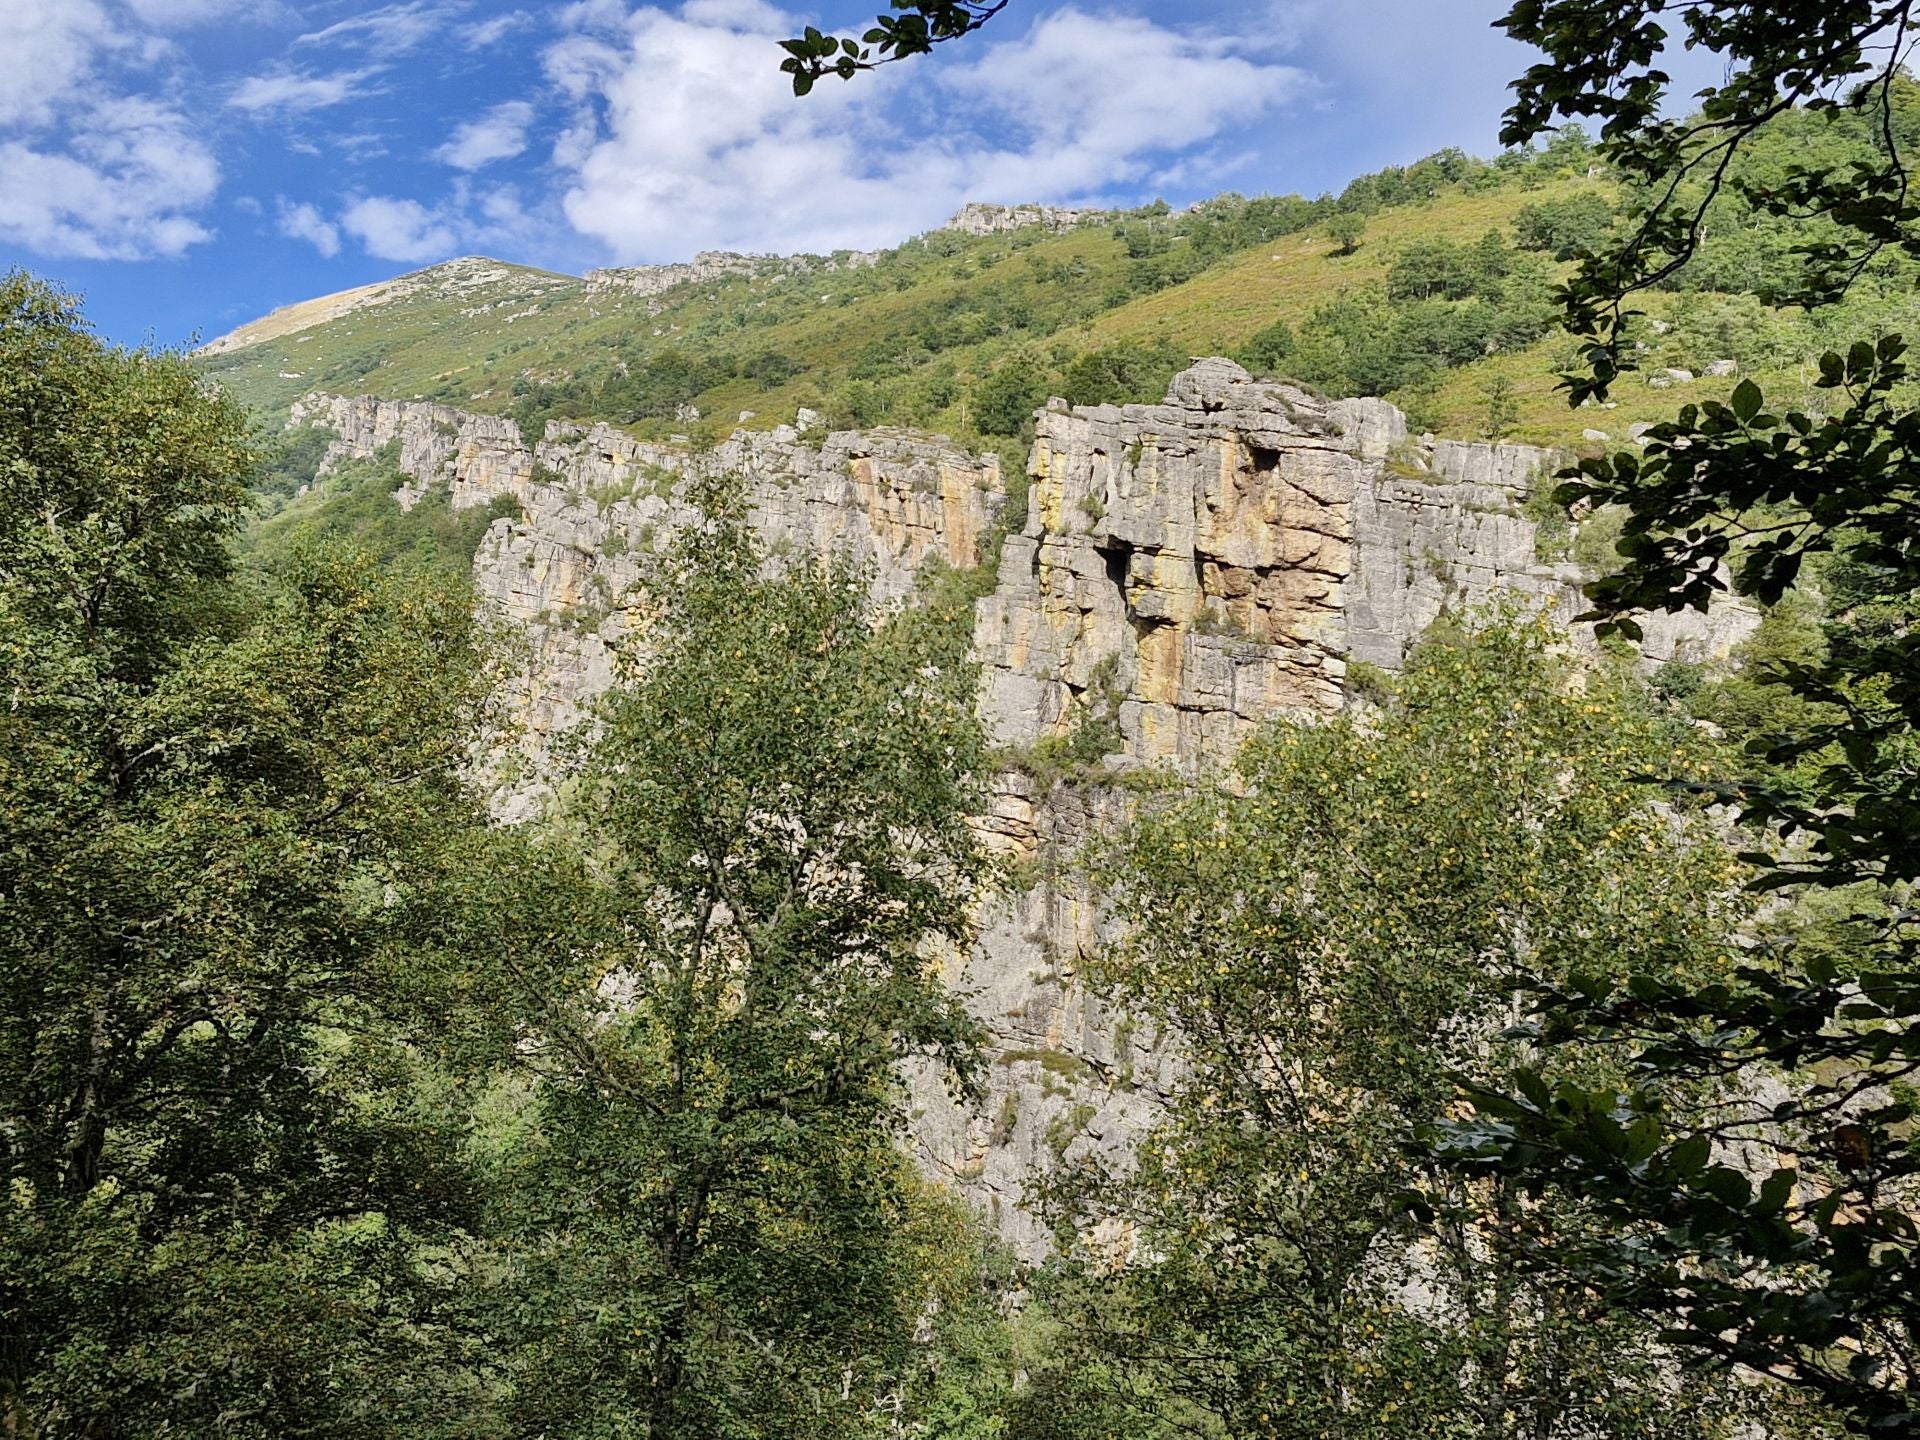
(594, 501)
(710, 265)
(1186, 569)
(977, 218)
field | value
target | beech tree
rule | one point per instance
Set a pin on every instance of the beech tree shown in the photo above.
(1777, 1232)
(1329, 933)
(714, 1214)
(221, 799)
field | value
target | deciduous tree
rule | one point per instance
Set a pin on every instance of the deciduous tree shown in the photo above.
(714, 1203)
(221, 802)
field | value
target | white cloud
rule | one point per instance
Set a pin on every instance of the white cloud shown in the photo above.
(490, 32)
(1099, 100)
(47, 48)
(500, 134)
(398, 229)
(389, 30)
(87, 171)
(501, 206)
(124, 185)
(689, 136)
(305, 222)
(290, 92)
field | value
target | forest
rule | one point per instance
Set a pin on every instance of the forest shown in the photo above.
(1545, 1021)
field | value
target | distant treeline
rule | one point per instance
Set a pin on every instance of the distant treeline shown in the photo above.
(904, 376)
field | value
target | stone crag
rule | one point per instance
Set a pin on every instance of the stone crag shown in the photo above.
(978, 218)
(1225, 556)
(712, 265)
(593, 501)
(1185, 570)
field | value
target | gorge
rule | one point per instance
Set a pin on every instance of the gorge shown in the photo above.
(1184, 570)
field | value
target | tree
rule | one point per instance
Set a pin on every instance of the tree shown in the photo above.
(1427, 269)
(1779, 1233)
(1564, 228)
(1004, 402)
(1345, 230)
(1810, 1273)
(1502, 412)
(222, 803)
(713, 1209)
(1136, 372)
(1328, 933)
(1268, 349)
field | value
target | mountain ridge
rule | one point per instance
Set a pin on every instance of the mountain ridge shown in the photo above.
(447, 277)
(1429, 285)
(469, 271)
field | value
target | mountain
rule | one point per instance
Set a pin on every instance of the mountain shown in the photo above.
(1443, 306)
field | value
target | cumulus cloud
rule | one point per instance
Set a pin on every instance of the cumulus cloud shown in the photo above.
(500, 134)
(291, 92)
(124, 185)
(305, 222)
(47, 47)
(1100, 100)
(686, 136)
(467, 219)
(399, 229)
(87, 171)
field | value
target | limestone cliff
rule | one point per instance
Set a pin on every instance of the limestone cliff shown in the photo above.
(593, 500)
(978, 218)
(1186, 569)
(1223, 557)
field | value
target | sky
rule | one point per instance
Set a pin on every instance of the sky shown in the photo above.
(188, 165)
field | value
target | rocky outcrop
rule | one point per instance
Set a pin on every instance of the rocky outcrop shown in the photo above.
(711, 265)
(976, 218)
(1224, 556)
(593, 501)
(1186, 570)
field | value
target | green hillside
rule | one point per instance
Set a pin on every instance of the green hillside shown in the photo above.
(1431, 284)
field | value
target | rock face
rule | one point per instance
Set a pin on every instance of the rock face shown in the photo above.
(720, 265)
(976, 218)
(1186, 570)
(1224, 556)
(593, 501)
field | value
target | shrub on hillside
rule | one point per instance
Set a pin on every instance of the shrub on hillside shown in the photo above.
(1564, 227)
(1004, 402)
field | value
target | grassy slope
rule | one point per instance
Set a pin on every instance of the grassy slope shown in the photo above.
(470, 348)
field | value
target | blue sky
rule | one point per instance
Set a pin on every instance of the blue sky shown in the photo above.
(190, 164)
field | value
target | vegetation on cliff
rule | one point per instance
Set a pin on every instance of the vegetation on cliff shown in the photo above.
(1517, 1095)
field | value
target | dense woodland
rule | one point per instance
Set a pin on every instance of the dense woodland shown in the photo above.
(1547, 1025)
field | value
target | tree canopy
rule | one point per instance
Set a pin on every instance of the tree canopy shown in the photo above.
(224, 797)
(1778, 1231)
